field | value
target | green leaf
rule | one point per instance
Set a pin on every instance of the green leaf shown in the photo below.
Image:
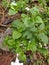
(41, 27)
(18, 25)
(40, 23)
(21, 5)
(42, 37)
(13, 5)
(18, 6)
(32, 46)
(12, 12)
(11, 42)
(18, 49)
(23, 15)
(39, 19)
(15, 23)
(34, 11)
(24, 42)
(26, 20)
(33, 28)
(43, 51)
(27, 35)
(5, 3)
(22, 56)
(43, 3)
(16, 35)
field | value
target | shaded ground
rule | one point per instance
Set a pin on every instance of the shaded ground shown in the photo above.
(6, 57)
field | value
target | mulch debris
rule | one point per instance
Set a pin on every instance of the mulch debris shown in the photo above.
(6, 57)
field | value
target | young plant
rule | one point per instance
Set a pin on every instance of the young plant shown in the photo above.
(15, 7)
(27, 32)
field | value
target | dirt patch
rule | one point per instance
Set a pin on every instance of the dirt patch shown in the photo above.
(6, 57)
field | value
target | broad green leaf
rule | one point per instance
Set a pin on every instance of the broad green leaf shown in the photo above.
(13, 5)
(26, 1)
(21, 5)
(34, 11)
(11, 42)
(16, 35)
(15, 23)
(43, 51)
(27, 35)
(39, 19)
(43, 38)
(33, 28)
(5, 3)
(18, 49)
(43, 3)
(12, 12)
(24, 42)
(39, 22)
(32, 46)
(41, 27)
(23, 15)
(18, 25)
(26, 20)
(22, 56)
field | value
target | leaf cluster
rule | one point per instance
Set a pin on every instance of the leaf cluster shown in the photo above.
(27, 32)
